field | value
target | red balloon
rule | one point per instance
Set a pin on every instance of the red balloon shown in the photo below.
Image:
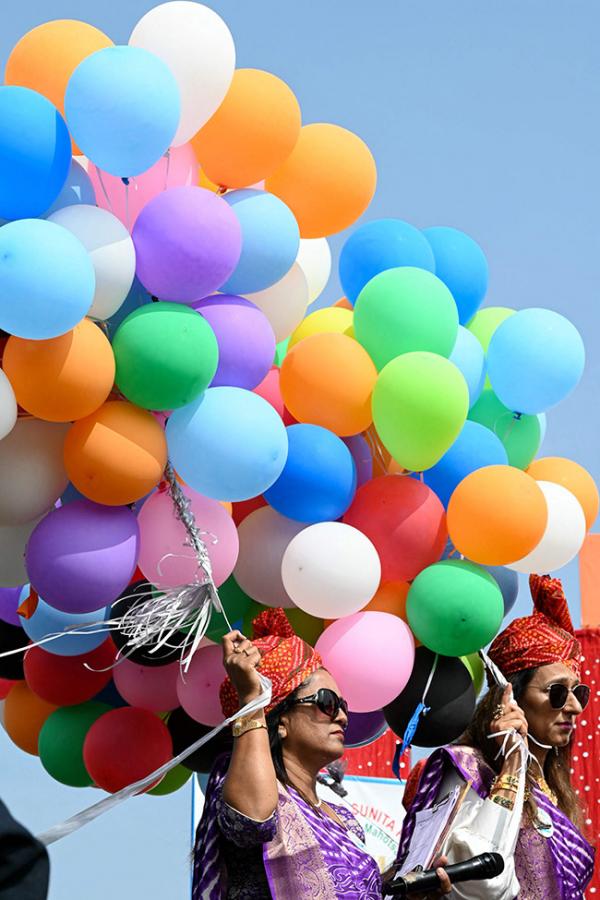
(406, 522)
(240, 510)
(5, 686)
(125, 745)
(67, 680)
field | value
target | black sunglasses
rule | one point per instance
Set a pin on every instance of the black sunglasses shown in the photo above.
(327, 701)
(558, 694)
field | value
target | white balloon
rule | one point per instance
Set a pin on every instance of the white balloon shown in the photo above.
(284, 303)
(13, 540)
(264, 537)
(8, 406)
(198, 47)
(314, 258)
(111, 250)
(32, 471)
(564, 534)
(331, 570)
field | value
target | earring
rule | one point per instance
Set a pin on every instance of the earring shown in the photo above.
(555, 751)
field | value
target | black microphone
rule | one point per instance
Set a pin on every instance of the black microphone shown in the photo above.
(487, 865)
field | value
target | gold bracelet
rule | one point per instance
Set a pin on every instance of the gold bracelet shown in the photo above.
(501, 786)
(512, 780)
(241, 726)
(502, 801)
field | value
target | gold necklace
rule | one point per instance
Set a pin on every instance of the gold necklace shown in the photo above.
(544, 787)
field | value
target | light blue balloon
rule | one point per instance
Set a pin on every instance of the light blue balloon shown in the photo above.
(543, 420)
(535, 359)
(270, 241)
(46, 621)
(229, 444)
(122, 106)
(35, 153)
(475, 447)
(469, 357)
(461, 264)
(47, 279)
(77, 189)
(380, 245)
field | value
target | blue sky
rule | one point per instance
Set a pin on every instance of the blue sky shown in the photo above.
(483, 116)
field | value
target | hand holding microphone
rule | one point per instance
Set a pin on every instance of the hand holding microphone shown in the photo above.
(487, 865)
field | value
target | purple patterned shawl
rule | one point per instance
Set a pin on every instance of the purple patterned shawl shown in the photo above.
(560, 866)
(294, 860)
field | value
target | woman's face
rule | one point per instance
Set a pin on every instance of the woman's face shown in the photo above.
(548, 725)
(307, 732)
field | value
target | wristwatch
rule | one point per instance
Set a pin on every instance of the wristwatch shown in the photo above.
(246, 723)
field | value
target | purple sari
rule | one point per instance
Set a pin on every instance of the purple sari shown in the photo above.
(558, 867)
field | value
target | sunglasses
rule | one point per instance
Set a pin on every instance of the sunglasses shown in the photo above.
(558, 694)
(327, 701)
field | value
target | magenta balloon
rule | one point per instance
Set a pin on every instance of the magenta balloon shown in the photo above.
(187, 242)
(245, 337)
(9, 602)
(361, 454)
(198, 689)
(364, 728)
(81, 557)
(149, 687)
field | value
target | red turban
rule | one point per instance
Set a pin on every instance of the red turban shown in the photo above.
(541, 639)
(286, 659)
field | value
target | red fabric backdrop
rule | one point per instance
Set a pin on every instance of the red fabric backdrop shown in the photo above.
(375, 760)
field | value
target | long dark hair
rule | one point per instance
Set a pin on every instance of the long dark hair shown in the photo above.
(557, 766)
(276, 744)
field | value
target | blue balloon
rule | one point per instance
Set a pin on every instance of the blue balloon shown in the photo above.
(122, 106)
(47, 279)
(229, 444)
(380, 245)
(508, 582)
(535, 359)
(35, 153)
(47, 621)
(475, 447)
(469, 357)
(461, 264)
(270, 241)
(318, 481)
(77, 189)
(137, 297)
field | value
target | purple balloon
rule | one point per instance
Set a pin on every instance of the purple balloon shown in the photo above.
(364, 728)
(81, 557)
(245, 337)
(9, 603)
(187, 241)
(361, 454)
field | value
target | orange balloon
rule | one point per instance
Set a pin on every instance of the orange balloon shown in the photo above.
(390, 598)
(63, 378)
(497, 515)
(116, 455)
(572, 476)
(24, 715)
(253, 131)
(327, 181)
(46, 57)
(327, 379)
(344, 303)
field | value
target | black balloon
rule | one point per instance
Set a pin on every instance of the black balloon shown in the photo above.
(133, 595)
(11, 638)
(451, 698)
(185, 731)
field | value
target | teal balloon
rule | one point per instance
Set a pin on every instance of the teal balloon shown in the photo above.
(35, 153)
(454, 607)
(405, 310)
(521, 435)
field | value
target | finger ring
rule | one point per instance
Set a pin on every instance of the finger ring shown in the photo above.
(498, 712)
(237, 650)
(245, 652)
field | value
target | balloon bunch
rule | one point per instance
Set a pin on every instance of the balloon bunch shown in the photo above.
(166, 223)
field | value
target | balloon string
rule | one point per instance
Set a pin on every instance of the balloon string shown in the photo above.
(168, 157)
(104, 191)
(127, 205)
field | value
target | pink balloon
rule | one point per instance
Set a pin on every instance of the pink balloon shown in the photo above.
(198, 688)
(270, 391)
(370, 655)
(149, 687)
(127, 201)
(165, 557)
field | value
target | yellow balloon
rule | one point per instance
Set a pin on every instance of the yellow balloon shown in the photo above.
(331, 320)
(205, 182)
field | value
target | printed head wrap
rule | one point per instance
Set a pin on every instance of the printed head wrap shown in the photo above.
(541, 639)
(286, 659)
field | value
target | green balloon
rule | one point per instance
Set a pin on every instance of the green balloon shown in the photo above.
(420, 404)
(280, 351)
(171, 782)
(474, 664)
(61, 740)
(235, 603)
(454, 607)
(166, 355)
(308, 627)
(483, 325)
(402, 310)
(520, 434)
